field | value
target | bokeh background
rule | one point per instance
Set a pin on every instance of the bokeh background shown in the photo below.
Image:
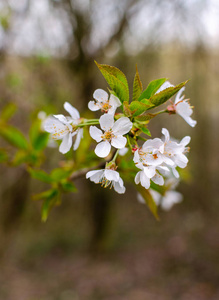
(100, 245)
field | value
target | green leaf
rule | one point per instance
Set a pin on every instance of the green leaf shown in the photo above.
(137, 86)
(8, 111)
(148, 200)
(14, 137)
(60, 174)
(145, 117)
(166, 94)
(138, 107)
(152, 88)
(127, 111)
(68, 186)
(145, 130)
(3, 156)
(39, 139)
(40, 175)
(116, 80)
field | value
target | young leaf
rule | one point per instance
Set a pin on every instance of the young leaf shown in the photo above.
(3, 156)
(149, 201)
(166, 94)
(60, 174)
(152, 88)
(39, 139)
(14, 137)
(8, 111)
(138, 107)
(48, 203)
(116, 80)
(137, 86)
(126, 109)
(40, 175)
(68, 186)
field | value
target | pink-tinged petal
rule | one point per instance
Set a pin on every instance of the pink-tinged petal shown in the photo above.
(95, 175)
(114, 101)
(119, 142)
(158, 179)
(106, 121)
(185, 141)
(95, 133)
(92, 105)
(66, 144)
(100, 95)
(111, 175)
(119, 187)
(73, 112)
(122, 126)
(61, 118)
(166, 134)
(178, 95)
(79, 136)
(103, 149)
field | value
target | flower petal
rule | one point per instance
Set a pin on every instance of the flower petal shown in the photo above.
(111, 175)
(106, 121)
(158, 179)
(122, 126)
(119, 142)
(79, 136)
(178, 95)
(72, 111)
(166, 134)
(185, 141)
(66, 143)
(61, 118)
(95, 175)
(103, 149)
(100, 95)
(145, 181)
(92, 105)
(119, 187)
(114, 101)
(164, 86)
(95, 133)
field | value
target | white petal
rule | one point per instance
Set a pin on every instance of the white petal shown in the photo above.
(119, 187)
(175, 172)
(66, 144)
(95, 133)
(119, 142)
(122, 126)
(167, 160)
(92, 105)
(78, 139)
(137, 178)
(103, 149)
(145, 181)
(114, 101)
(100, 95)
(158, 179)
(166, 134)
(95, 175)
(178, 95)
(111, 175)
(72, 111)
(123, 151)
(106, 121)
(149, 171)
(156, 196)
(185, 141)
(171, 198)
(164, 86)
(51, 123)
(61, 118)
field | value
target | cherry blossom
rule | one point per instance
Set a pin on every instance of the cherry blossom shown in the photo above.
(103, 103)
(113, 134)
(107, 178)
(65, 128)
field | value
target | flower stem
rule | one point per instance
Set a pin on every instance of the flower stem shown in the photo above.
(89, 122)
(115, 155)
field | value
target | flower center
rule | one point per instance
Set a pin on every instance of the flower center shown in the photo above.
(105, 106)
(105, 182)
(108, 135)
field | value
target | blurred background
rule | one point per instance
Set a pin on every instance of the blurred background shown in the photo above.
(109, 246)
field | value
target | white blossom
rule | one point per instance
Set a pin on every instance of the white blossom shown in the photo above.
(107, 178)
(113, 134)
(65, 128)
(102, 102)
(148, 173)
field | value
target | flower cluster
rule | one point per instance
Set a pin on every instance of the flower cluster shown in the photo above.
(155, 159)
